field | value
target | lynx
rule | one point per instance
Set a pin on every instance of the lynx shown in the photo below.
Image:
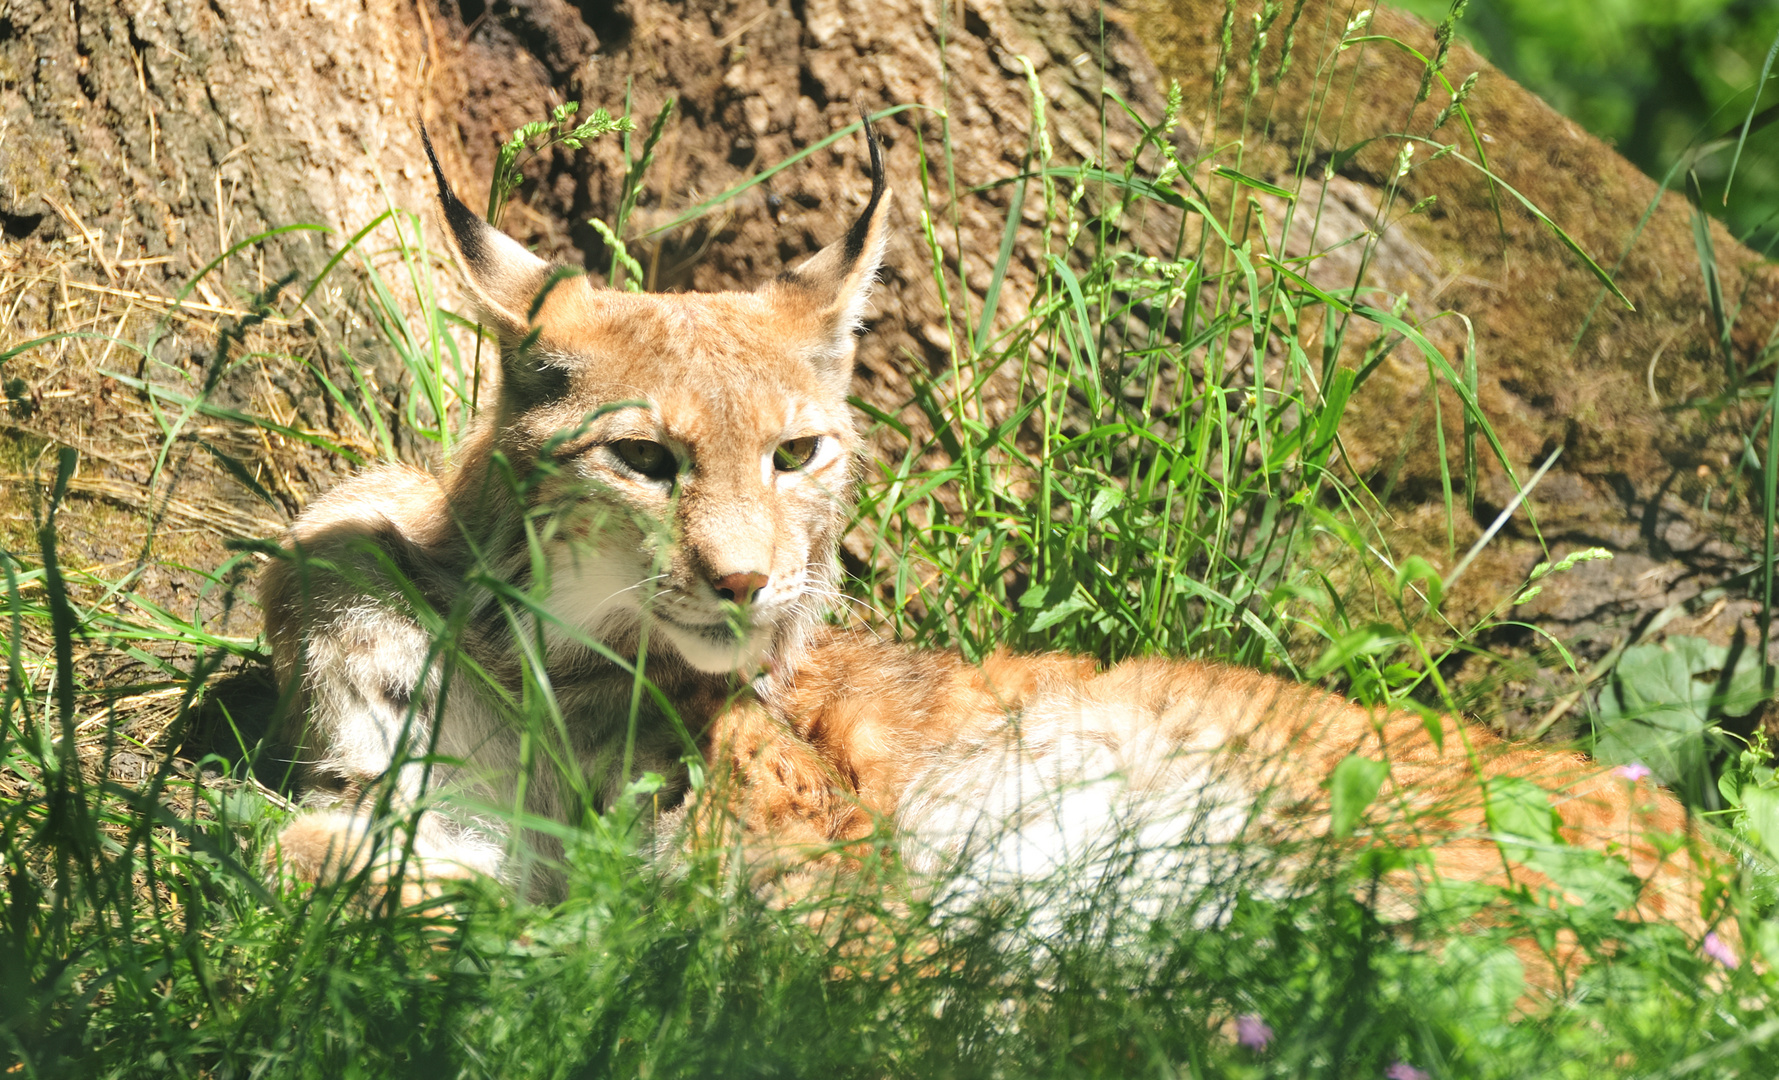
(672, 473)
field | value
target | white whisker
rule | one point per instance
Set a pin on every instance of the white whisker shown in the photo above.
(872, 611)
(600, 608)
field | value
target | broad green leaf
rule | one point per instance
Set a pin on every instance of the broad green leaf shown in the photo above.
(1352, 787)
(1519, 808)
(1052, 616)
(1105, 500)
(1434, 722)
(1662, 705)
(1596, 880)
(1761, 818)
(1040, 595)
(1364, 640)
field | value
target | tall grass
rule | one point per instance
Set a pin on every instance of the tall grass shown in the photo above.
(1171, 483)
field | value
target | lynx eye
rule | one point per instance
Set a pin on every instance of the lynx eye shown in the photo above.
(793, 454)
(651, 459)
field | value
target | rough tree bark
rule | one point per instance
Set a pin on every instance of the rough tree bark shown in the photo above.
(140, 140)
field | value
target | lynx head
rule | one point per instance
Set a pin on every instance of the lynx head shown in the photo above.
(701, 449)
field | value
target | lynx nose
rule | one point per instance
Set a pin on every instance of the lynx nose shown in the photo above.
(740, 588)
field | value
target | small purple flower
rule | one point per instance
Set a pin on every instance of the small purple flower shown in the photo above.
(1717, 949)
(1252, 1032)
(1402, 1070)
(1633, 772)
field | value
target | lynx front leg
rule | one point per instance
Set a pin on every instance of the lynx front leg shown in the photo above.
(362, 681)
(367, 701)
(363, 700)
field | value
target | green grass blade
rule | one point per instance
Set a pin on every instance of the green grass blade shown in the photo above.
(1567, 241)
(1760, 84)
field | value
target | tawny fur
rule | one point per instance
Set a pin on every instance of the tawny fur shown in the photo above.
(814, 736)
(875, 717)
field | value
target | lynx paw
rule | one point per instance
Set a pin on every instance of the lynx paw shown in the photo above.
(333, 846)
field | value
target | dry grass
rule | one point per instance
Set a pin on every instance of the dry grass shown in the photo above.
(153, 509)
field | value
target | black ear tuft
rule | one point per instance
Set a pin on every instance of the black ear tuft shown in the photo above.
(503, 275)
(829, 291)
(856, 236)
(466, 227)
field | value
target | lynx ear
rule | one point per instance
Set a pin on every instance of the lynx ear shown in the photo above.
(504, 276)
(829, 291)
